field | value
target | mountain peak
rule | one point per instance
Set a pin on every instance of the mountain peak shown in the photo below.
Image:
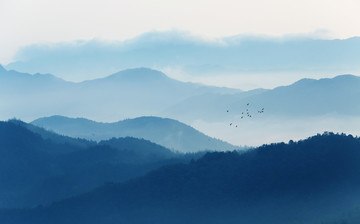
(58, 119)
(138, 74)
(346, 77)
(340, 79)
(163, 131)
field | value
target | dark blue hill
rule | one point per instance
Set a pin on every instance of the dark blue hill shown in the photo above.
(300, 182)
(38, 167)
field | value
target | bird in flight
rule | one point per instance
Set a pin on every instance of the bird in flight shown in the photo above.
(261, 111)
(245, 114)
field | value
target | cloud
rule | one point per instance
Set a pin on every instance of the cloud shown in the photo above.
(27, 22)
(192, 58)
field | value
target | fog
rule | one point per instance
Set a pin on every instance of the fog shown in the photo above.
(241, 61)
(260, 131)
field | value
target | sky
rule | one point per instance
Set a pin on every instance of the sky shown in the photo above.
(24, 22)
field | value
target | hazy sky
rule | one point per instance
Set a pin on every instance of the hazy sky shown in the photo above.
(26, 22)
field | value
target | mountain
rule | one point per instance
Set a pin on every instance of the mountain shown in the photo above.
(241, 55)
(313, 97)
(167, 132)
(295, 111)
(309, 181)
(144, 92)
(305, 98)
(38, 167)
(129, 93)
(13, 82)
(53, 137)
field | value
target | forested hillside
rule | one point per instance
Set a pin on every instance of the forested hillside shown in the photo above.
(310, 181)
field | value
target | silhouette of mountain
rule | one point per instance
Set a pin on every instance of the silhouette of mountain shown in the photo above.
(137, 75)
(308, 103)
(143, 92)
(14, 82)
(56, 138)
(145, 78)
(230, 55)
(167, 132)
(39, 167)
(129, 93)
(300, 182)
(313, 97)
(307, 97)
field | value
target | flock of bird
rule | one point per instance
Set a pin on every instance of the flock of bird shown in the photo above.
(245, 114)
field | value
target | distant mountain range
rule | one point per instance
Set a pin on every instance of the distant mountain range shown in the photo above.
(38, 167)
(169, 133)
(304, 108)
(144, 92)
(307, 97)
(311, 181)
(129, 93)
(240, 55)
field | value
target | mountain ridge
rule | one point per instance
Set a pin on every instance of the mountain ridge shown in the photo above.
(38, 167)
(306, 97)
(308, 181)
(164, 131)
(135, 74)
(102, 99)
